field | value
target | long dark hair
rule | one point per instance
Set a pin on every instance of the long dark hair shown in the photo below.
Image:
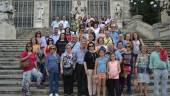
(28, 44)
(36, 34)
(50, 39)
(36, 41)
(89, 44)
(133, 37)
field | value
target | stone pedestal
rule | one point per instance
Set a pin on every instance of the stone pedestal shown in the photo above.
(41, 13)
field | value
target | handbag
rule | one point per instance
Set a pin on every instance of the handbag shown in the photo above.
(24, 63)
(68, 71)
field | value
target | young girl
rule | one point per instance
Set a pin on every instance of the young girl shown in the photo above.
(143, 75)
(52, 69)
(100, 71)
(113, 69)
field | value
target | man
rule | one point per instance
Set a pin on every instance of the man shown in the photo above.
(55, 36)
(55, 23)
(75, 43)
(80, 72)
(64, 22)
(159, 63)
(114, 34)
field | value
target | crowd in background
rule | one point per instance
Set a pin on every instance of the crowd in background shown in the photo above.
(94, 53)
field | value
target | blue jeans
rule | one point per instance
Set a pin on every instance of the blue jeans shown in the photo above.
(160, 76)
(27, 79)
(53, 82)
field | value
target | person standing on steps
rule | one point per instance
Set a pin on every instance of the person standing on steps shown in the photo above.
(29, 67)
(80, 72)
(66, 69)
(52, 69)
(89, 64)
(159, 63)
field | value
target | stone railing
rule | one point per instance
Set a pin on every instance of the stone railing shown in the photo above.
(156, 31)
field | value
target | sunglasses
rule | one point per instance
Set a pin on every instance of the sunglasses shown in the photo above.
(52, 48)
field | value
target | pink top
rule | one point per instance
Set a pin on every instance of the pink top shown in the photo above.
(32, 59)
(113, 70)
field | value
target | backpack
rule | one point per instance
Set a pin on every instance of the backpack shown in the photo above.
(163, 54)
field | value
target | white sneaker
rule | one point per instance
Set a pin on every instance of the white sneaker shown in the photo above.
(56, 94)
(51, 94)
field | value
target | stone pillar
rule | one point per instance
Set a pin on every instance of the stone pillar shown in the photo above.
(41, 13)
(126, 9)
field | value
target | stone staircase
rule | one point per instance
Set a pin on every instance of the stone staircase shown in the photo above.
(11, 74)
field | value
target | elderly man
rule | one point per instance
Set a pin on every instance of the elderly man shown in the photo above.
(159, 63)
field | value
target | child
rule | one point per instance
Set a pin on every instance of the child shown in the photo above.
(52, 68)
(100, 71)
(143, 75)
(113, 69)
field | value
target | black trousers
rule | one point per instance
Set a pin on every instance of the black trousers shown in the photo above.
(68, 84)
(81, 80)
(113, 87)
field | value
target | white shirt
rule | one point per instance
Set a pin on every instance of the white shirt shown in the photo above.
(65, 23)
(55, 37)
(43, 42)
(55, 24)
(96, 31)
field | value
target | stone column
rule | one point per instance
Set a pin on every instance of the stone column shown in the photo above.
(126, 9)
(41, 13)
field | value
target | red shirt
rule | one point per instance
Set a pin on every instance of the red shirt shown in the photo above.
(32, 59)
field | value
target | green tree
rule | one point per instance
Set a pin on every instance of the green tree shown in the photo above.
(144, 8)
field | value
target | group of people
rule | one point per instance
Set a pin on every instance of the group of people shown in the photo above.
(94, 53)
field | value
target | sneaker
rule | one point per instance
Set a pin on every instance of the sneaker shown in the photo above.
(56, 94)
(51, 94)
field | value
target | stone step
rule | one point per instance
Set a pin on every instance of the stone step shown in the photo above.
(12, 72)
(35, 91)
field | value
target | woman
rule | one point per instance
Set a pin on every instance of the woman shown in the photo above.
(28, 58)
(68, 34)
(100, 71)
(89, 64)
(50, 42)
(67, 70)
(142, 65)
(100, 43)
(35, 44)
(127, 68)
(38, 36)
(61, 43)
(52, 70)
(137, 43)
(127, 39)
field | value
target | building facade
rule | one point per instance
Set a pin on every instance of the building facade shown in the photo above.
(39, 13)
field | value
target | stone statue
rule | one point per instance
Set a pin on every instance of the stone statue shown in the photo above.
(7, 27)
(118, 11)
(40, 10)
(78, 10)
(6, 12)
